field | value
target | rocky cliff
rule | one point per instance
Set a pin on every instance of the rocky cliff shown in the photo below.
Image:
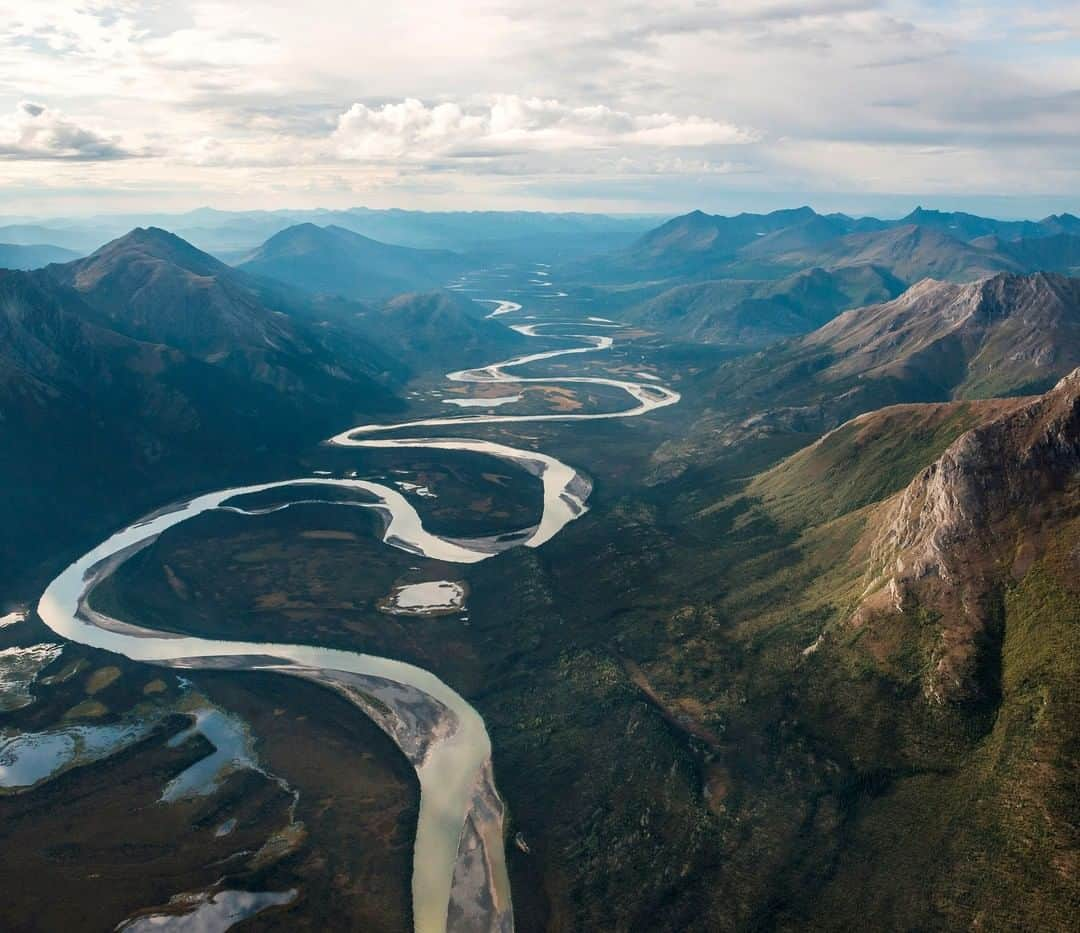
(968, 525)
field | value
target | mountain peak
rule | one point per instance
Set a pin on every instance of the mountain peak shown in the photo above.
(697, 219)
(149, 243)
(338, 261)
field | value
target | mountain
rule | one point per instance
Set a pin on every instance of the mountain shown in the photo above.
(886, 626)
(975, 520)
(119, 372)
(18, 256)
(1006, 335)
(151, 285)
(1061, 223)
(751, 313)
(952, 246)
(698, 243)
(909, 252)
(805, 233)
(334, 260)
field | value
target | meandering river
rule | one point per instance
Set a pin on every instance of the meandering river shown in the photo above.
(459, 873)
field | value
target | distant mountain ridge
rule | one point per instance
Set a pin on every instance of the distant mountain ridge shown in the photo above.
(20, 256)
(230, 235)
(728, 280)
(710, 246)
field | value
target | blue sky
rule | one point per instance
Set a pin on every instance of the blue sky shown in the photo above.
(860, 105)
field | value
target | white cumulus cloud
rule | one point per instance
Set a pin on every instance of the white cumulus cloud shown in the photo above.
(33, 131)
(508, 123)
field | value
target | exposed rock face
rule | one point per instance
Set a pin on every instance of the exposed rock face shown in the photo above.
(1007, 331)
(953, 535)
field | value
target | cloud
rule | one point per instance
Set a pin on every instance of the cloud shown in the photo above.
(509, 124)
(34, 132)
(494, 100)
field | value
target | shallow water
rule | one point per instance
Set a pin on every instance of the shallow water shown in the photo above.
(233, 751)
(30, 757)
(11, 618)
(210, 912)
(482, 402)
(19, 668)
(428, 597)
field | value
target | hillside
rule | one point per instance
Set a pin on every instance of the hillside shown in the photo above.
(439, 331)
(1059, 252)
(999, 336)
(982, 514)
(333, 260)
(779, 736)
(889, 642)
(697, 245)
(866, 459)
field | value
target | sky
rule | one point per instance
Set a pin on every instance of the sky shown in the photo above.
(608, 105)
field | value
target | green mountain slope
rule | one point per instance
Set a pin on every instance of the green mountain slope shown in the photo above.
(883, 636)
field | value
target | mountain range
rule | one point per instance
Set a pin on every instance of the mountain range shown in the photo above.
(1000, 336)
(750, 313)
(231, 235)
(119, 371)
(754, 278)
(702, 245)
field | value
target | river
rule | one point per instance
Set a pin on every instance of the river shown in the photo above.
(459, 877)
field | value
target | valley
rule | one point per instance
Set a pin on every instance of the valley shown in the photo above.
(437, 731)
(668, 668)
(540, 468)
